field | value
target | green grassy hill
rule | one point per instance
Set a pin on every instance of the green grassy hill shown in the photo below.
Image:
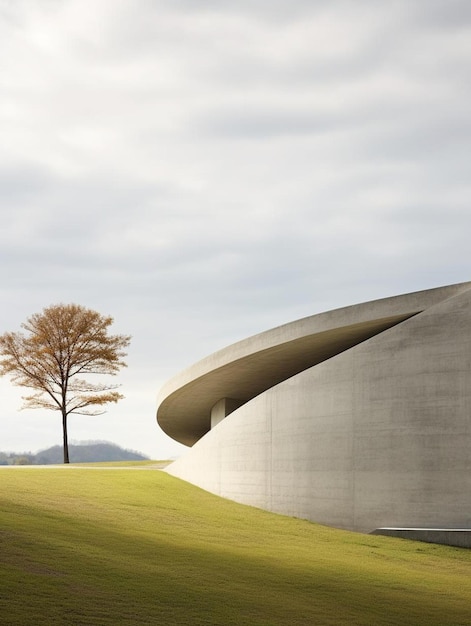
(128, 547)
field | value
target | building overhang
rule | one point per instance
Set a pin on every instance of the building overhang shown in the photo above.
(247, 368)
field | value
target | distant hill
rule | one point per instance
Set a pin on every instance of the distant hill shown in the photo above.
(89, 452)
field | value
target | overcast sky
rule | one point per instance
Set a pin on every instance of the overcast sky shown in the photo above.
(204, 171)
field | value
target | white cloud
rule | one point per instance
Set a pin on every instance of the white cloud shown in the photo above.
(203, 171)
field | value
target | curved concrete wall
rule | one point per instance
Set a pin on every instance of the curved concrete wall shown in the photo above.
(373, 429)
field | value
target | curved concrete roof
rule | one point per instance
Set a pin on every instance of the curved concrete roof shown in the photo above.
(247, 368)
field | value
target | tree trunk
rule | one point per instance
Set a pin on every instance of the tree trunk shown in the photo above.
(65, 439)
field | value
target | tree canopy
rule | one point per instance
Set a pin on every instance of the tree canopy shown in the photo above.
(59, 347)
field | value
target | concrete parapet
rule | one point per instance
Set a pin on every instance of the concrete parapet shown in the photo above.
(459, 537)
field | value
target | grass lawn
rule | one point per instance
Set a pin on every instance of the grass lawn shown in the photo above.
(131, 547)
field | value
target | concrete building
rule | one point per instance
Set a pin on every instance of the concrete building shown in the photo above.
(357, 418)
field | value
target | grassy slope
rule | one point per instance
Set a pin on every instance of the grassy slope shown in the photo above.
(140, 547)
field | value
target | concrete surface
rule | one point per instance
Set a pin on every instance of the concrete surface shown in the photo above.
(358, 418)
(458, 537)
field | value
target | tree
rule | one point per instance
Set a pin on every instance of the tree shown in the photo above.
(61, 345)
